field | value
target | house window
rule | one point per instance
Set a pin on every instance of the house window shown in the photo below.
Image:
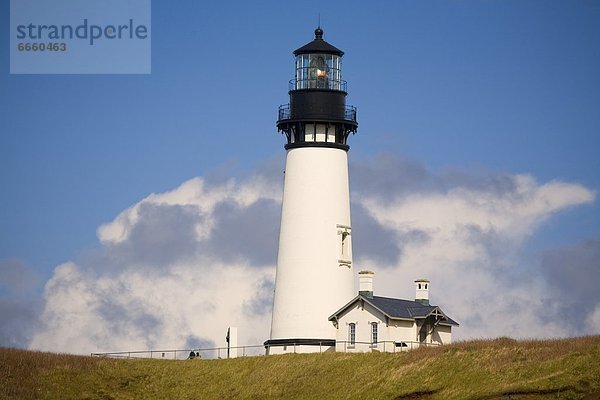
(352, 333)
(373, 332)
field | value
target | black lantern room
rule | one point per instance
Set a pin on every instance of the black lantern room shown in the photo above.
(317, 115)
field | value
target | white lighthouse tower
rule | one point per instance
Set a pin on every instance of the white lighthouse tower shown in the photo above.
(314, 265)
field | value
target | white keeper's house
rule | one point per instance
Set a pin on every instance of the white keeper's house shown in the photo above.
(369, 322)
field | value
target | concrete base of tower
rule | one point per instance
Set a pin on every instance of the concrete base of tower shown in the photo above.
(285, 346)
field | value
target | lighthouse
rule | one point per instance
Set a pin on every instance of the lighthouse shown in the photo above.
(314, 275)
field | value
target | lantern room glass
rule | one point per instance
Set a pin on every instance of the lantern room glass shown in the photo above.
(318, 71)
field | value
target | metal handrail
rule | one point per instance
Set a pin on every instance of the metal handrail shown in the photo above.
(182, 354)
(251, 350)
(284, 112)
(350, 113)
(318, 83)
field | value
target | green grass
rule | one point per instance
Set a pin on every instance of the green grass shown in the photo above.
(482, 369)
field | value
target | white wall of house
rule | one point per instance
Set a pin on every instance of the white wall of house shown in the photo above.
(443, 334)
(440, 335)
(363, 318)
(402, 331)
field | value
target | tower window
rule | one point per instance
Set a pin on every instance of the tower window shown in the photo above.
(345, 245)
(331, 133)
(345, 241)
(352, 333)
(419, 286)
(320, 132)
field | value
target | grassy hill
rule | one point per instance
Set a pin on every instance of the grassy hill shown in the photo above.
(482, 369)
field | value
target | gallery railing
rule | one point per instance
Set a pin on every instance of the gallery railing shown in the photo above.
(284, 113)
(319, 83)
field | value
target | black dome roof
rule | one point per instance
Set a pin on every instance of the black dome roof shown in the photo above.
(318, 46)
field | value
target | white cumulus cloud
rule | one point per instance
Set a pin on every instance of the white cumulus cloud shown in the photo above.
(177, 268)
(470, 241)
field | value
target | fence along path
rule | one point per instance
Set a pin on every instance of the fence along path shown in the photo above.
(259, 350)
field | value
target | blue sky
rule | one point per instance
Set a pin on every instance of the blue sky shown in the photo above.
(481, 87)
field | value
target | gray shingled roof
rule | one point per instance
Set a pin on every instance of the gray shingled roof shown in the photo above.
(399, 308)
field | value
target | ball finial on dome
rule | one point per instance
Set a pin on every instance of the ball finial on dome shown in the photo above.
(319, 33)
